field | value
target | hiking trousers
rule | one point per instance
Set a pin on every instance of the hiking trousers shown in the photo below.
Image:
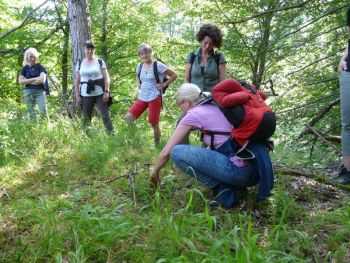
(344, 80)
(88, 107)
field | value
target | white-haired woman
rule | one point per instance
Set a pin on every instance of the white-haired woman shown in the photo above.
(33, 76)
(217, 169)
(150, 95)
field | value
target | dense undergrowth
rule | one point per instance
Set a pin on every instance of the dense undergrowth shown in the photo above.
(71, 197)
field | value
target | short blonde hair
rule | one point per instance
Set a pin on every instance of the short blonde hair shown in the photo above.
(145, 48)
(27, 53)
(189, 92)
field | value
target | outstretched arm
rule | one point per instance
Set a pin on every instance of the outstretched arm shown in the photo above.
(179, 134)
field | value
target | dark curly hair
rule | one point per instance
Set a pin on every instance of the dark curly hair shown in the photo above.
(208, 30)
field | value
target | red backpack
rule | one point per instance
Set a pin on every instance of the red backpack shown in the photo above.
(245, 108)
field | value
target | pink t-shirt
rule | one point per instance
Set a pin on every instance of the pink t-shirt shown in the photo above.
(209, 117)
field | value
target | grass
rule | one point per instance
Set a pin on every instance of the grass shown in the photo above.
(62, 208)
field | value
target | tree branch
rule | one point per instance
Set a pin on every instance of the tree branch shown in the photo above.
(275, 10)
(23, 22)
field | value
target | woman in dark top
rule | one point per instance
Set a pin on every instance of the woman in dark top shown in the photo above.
(344, 80)
(33, 76)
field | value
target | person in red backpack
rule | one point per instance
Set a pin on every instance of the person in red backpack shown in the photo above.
(246, 110)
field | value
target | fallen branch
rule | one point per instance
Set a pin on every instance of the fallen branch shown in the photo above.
(319, 178)
(319, 116)
(323, 139)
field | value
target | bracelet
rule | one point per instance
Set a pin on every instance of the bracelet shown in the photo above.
(106, 91)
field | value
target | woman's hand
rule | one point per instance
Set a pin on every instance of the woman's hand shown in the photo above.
(342, 66)
(154, 181)
(106, 96)
(78, 99)
(160, 86)
(342, 63)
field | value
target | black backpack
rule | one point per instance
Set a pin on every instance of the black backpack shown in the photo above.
(156, 75)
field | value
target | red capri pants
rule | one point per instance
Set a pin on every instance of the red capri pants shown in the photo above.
(154, 109)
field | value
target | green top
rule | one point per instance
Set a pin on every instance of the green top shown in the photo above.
(207, 79)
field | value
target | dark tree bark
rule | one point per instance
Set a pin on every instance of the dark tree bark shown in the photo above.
(79, 23)
(64, 67)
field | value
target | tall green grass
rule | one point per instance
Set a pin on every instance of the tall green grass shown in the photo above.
(63, 205)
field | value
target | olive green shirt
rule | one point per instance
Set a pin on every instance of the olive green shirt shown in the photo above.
(207, 79)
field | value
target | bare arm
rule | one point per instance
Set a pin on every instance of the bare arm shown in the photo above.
(171, 77)
(35, 81)
(222, 71)
(188, 73)
(107, 83)
(138, 82)
(106, 78)
(342, 63)
(179, 134)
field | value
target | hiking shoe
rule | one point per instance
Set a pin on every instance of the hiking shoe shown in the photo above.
(344, 176)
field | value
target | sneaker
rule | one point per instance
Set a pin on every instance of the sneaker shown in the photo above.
(344, 176)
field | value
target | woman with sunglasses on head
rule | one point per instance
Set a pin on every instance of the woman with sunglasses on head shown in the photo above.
(92, 86)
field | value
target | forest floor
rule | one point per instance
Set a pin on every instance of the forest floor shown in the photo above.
(66, 196)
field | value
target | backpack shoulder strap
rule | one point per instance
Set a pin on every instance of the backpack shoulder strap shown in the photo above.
(193, 56)
(100, 62)
(139, 71)
(79, 63)
(217, 56)
(155, 71)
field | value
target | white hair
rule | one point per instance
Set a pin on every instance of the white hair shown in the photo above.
(30, 51)
(145, 48)
(189, 92)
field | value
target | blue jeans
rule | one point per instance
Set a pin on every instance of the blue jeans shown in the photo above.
(32, 96)
(214, 170)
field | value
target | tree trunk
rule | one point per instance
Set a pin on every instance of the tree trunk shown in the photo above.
(64, 66)
(260, 57)
(79, 22)
(104, 51)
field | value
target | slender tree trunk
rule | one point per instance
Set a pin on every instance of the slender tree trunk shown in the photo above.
(64, 66)
(259, 64)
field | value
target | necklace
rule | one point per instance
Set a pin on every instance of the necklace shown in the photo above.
(146, 68)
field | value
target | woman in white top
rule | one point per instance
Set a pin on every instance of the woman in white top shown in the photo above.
(150, 91)
(92, 86)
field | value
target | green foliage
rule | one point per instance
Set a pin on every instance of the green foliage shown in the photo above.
(63, 205)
